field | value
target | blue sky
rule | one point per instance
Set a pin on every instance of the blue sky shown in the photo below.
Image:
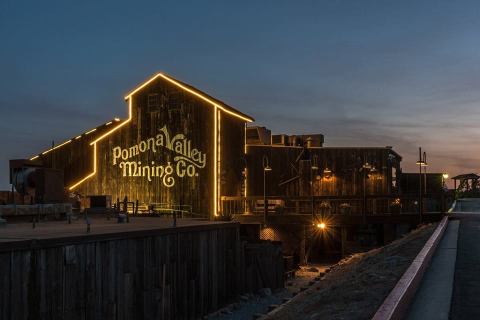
(370, 73)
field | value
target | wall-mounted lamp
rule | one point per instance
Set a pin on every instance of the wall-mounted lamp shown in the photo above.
(315, 162)
(266, 168)
(327, 173)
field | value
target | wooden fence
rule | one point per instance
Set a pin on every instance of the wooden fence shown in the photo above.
(174, 274)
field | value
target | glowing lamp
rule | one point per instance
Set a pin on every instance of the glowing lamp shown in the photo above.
(445, 176)
(321, 225)
(422, 163)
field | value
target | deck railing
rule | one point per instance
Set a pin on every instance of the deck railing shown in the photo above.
(331, 205)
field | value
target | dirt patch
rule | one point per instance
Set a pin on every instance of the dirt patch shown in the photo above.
(356, 287)
(250, 305)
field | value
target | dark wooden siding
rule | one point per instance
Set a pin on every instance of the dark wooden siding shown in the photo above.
(181, 273)
(160, 104)
(181, 113)
(233, 158)
(76, 157)
(346, 178)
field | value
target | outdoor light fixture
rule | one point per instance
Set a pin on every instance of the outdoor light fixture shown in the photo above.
(444, 177)
(327, 172)
(266, 168)
(321, 225)
(315, 162)
(367, 166)
(422, 163)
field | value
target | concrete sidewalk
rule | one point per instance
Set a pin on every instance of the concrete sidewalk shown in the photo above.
(466, 291)
(433, 298)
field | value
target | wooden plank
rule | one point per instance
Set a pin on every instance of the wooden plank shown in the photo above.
(181, 275)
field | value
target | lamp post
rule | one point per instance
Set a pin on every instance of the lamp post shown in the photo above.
(422, 162)
(266, 168)
(365, 168)
(444, 177)
(444, 191)
(314, 168)
(425, 173)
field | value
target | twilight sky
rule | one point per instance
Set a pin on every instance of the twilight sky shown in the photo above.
(364, 73)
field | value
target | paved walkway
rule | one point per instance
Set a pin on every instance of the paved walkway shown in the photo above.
(466, 289)
(432, 300)
(450, 288)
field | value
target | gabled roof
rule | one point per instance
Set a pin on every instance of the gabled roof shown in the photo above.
(466, 176)
(194, 91)
(91, 134)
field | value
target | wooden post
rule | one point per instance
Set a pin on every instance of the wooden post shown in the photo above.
(125, 204)
(344, 240)
(304, 171)
(302, 245)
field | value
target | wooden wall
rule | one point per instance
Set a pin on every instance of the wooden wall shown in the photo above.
(182, 274)
(76, 157)
(160, 108)
(232, 142)
(346, 178)
(180, 113)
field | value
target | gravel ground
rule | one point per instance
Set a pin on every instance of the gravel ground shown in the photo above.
(356, 287)
(250, 305)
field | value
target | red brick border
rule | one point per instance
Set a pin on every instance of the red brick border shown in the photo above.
(397, 302)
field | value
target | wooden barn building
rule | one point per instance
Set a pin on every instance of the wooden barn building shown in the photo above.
(178, 147)
(183, 150)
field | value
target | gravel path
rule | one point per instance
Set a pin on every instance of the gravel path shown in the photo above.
(251, 305)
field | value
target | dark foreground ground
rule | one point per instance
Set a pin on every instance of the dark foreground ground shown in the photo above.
(357, 286)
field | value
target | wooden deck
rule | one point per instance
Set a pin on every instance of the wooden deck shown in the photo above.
(23, 235)
(145, 269)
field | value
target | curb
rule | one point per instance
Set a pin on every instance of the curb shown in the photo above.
(397, 302)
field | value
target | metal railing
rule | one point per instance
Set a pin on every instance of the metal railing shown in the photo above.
(168, 208)
(156, 208)
(331, 205)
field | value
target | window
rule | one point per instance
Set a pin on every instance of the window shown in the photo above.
(153, 102)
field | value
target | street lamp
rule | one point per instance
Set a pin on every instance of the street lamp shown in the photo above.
(366, 167)
(314, 168)
(422, 162)
(444, 190)
(266, 168)
(444, 177)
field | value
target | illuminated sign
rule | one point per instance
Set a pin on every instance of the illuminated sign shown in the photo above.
(186, 162)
